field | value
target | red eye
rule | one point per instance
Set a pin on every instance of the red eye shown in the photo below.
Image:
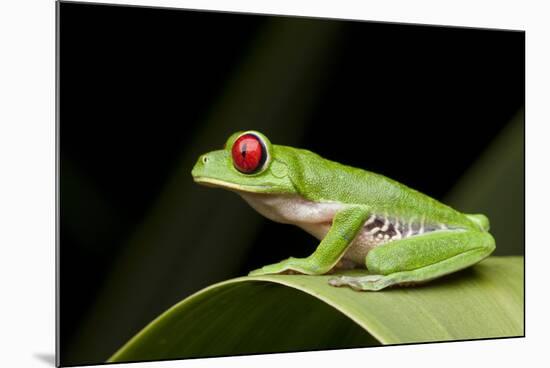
(248, 153)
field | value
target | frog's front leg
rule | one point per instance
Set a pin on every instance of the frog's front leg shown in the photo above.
(420, 258)
(345, 226)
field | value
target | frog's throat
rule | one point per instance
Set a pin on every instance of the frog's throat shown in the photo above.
(216, 183)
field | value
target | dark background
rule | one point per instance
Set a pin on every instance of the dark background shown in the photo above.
(144, 91)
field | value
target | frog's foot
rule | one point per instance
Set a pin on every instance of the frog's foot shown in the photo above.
(261, 271)
(258, 272)
(283, 267)
(290, 266)
(369, 283)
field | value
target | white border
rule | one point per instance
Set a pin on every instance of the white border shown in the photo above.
(27, 179)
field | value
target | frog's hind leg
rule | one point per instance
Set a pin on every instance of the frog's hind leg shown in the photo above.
(420, 258)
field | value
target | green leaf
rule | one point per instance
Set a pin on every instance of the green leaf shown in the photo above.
(279, 313)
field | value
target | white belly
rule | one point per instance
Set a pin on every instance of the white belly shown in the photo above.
(292, 209)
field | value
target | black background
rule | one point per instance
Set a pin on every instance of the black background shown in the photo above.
(144, 91)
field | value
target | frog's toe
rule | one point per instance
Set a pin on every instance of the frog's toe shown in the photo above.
(267, 270)
(371, 282)
(338, 281)
(258, 272)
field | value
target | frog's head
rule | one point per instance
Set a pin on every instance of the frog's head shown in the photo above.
(247, 163)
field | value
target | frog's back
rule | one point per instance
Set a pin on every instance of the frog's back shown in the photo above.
(322, 180)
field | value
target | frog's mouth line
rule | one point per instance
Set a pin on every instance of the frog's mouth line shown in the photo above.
(216, 183)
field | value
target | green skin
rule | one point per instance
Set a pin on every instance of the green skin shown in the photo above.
(336, 203)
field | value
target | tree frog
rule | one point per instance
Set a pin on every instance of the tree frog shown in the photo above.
(362, 219)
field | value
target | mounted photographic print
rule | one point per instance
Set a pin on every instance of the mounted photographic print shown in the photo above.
(235, 184)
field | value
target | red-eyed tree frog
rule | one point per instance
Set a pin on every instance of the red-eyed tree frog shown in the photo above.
(362, 219)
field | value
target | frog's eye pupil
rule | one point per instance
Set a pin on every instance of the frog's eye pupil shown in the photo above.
(248, 153)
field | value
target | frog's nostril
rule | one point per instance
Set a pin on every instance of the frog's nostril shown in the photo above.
(204, 159)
